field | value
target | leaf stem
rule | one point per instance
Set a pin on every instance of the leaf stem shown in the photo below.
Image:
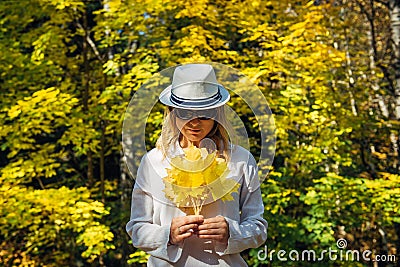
(195, 208)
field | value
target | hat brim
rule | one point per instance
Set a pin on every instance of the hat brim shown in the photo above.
(165, 98)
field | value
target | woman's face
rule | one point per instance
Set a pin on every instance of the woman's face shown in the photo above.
(194, 129)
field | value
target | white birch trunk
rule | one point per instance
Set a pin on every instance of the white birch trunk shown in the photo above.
(394, 6)
(379, 99)
(395, 26)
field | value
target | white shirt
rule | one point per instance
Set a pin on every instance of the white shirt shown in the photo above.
(152, 213)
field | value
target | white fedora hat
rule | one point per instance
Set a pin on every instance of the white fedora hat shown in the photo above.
(194, 86)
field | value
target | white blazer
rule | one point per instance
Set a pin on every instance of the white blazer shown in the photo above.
(151, 215)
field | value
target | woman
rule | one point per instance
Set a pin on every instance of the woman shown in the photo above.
(172, 236)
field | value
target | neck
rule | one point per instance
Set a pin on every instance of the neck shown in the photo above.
(184, 143)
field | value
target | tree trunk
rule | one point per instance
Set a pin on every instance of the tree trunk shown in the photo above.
(350, 85)
(86, 80)
(379, 99)
(102, 161)
(395, 26)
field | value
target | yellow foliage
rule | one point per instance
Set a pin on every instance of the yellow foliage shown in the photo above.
(139, 256)
(198, 175)
(44, 215)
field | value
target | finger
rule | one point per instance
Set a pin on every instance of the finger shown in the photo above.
(213, 225)
(214, 220)
(212, 237)
(189, 218)
(210, 220)
(211, 232)
(179, 235)
(183, 236)
(180, 221)
(192, 219)
(187, 227)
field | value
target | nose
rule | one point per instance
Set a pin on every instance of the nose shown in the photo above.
(194, 122)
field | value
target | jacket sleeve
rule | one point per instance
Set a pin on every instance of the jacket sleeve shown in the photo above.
(251, 230)
(145, 234)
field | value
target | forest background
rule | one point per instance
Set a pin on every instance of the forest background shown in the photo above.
(330, 71)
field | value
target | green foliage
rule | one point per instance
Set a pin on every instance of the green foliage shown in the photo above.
(341, 199)
(69, 68)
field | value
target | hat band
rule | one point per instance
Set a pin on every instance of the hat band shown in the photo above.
(204, 102)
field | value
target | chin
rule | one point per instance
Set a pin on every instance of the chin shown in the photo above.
(193, 139)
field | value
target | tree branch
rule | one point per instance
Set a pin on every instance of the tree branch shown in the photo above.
(90, 42)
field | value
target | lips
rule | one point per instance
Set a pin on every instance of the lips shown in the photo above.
(194, 131)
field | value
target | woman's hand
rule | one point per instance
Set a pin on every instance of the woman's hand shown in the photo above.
(215, 228)
(184, 227)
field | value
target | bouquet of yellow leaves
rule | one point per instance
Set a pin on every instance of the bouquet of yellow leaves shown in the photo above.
(197, 177)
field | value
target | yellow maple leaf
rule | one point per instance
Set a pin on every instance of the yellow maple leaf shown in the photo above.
(192, 153)
(197, 176)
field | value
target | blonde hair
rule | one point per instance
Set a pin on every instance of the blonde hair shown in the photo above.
(221, 134)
